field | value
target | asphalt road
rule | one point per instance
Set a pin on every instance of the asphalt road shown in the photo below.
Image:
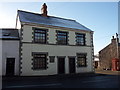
(95, 81)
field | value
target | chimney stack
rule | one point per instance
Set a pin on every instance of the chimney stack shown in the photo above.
(113, 40)
(44, 10)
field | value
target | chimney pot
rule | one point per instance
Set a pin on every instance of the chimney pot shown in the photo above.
(112, 37)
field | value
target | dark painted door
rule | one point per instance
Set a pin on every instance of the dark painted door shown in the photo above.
(71, 65)
(10, 65)
(61, 65)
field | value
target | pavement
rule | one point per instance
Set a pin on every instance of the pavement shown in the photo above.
(107, 72)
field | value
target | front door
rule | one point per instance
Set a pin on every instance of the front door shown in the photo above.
(72, 65)
(61, 65)
(10, 65)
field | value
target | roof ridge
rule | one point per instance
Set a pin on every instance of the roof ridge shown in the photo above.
(48, 16)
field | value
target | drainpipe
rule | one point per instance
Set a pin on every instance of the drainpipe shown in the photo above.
(117, 42)
(117, 45)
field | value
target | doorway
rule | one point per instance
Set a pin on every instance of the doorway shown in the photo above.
(61, 65)
(72, 65)
(10, 66)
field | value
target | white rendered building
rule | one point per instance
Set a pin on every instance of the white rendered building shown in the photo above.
(52, 45)
(9, 39)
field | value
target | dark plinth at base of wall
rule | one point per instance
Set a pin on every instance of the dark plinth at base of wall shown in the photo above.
(56, 75)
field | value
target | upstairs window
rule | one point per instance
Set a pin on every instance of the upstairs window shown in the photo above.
(6, 34)
(81, 60)
(62, 38)
(39, 36)
(80, 39)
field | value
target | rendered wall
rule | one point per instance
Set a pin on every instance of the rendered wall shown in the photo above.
(0, 64)
(53, 50)
(10, 49)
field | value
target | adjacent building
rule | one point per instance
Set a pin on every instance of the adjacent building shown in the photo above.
(9, 39)
(52, 45)
(110, 52)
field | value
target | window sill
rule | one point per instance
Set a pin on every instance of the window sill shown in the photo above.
(80, 45)
(57, 44)
(38, 69)
(39, 43)
(81, 66)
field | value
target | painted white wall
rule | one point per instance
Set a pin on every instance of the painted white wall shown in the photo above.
(10, 49)
(52, 36)
(71, 38)
(1, 64)
(53, 50)
(0, 57)
(27, 35)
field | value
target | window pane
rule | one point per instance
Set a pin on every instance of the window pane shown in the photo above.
(81, 60)
(62, 37)
(80, 39)
(39, 61)
(40, 36)
(52, 59)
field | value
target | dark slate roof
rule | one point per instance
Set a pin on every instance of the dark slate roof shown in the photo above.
(9, 34)
(36, 18)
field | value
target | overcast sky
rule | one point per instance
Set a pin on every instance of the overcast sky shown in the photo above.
(101, 17)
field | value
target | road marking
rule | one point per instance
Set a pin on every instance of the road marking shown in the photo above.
(54, 84)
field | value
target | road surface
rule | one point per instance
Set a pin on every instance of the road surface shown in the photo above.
(95, 81)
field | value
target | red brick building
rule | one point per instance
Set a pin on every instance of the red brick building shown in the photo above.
(110, 52)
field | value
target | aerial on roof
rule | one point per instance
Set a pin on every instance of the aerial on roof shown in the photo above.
(35, 18)
(9, 34)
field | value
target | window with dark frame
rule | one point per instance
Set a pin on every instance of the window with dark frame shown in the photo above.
(81, 60)
(39, 35)
(39, 61)
(62, 38)
(80, 39)
(52, 59)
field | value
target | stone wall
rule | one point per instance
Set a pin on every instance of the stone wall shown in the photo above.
(107, 54)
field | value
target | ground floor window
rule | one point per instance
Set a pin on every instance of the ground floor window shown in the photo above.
(39, 61)
(81, 60)
(52, 59)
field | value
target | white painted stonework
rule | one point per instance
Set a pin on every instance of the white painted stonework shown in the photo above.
(10, 49)
(54, 50)
(0, 57)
